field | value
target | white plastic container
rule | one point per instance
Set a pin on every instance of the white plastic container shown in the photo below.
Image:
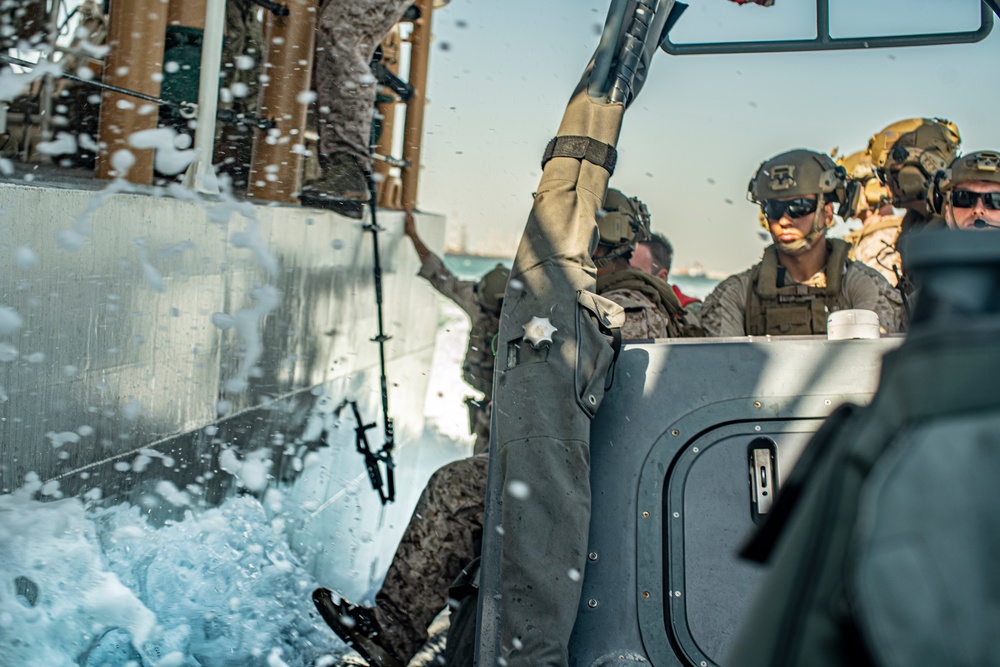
(852, 324)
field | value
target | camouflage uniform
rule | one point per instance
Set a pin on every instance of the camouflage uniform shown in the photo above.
(874, 245)
(724, 311)
(437, 544)
(244, 37)
(347, 34)
(652, 310)
(477, 368)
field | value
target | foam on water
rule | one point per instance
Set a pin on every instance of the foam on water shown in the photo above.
(104, 587)
(88, 586)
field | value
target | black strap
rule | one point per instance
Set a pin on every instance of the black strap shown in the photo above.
(616, 346)
(582, 148)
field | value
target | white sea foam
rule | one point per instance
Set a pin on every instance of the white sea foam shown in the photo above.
(95, 587)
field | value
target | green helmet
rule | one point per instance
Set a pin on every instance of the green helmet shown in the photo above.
(978, 166)
(802, 172)
(909, 152)
(490, 288)
(622, 223)
(795, 173)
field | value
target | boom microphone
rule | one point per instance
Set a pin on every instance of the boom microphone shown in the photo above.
(982, 224)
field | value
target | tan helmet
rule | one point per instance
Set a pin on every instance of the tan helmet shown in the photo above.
(490, 288)
(801, 172)
(908, 153)
(978, 166)
(622, 223)
(861, 170)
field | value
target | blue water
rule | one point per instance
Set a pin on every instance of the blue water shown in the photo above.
(104, 588)
(471, 268)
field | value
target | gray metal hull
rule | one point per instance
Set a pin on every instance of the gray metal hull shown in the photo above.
(117, 356)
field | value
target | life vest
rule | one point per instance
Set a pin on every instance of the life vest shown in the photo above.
(794, 310)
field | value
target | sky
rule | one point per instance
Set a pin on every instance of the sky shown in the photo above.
(501, 72)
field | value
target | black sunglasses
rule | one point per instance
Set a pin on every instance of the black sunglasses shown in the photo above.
(967, 199)
(794, 208)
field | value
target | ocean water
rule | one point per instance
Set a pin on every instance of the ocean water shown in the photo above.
(102, 587)
(96, 586)
(470, 268)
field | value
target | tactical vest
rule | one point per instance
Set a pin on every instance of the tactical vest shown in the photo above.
(678, 326)
(477, 369)
(794, 310)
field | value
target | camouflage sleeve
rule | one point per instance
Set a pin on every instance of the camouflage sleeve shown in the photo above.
(643, 320)
(724, 310)
(866, 288)
(445, 282)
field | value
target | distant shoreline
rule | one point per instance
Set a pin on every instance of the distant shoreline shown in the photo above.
(684, 271)
(459, 253)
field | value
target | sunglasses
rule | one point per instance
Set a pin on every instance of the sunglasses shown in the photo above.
(794, 208)
(967, 199)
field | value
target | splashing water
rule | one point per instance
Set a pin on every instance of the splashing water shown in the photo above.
(104, 587)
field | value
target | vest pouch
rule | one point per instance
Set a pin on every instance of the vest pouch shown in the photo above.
(790, 319)
(597, 317)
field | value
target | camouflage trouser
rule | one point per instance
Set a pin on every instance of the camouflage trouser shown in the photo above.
(244, 38)
(347, 33)
(437, 544)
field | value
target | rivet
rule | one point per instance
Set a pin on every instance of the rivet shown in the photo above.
(592, 555)
(645, 594)
(756, 428)
(756, 404)
(675, 433)
(593, 401)
(694, 449)
(677, 594)
(592, 603)
(826, 402)
(645, 515)
(677, 515)
(703, 663)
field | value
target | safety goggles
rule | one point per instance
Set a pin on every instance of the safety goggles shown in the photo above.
(967, 199)
(793, 208)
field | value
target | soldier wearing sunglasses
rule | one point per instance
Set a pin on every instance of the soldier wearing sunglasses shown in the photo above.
(967, 193)
(803, 276)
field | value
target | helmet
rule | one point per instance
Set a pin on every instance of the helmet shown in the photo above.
(798, 172)
(622, 223)
(801, 172)
(978, 166)
(860, 169)
(490, 288)
(910, 152)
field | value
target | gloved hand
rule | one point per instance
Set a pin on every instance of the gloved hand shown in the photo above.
(633, 31)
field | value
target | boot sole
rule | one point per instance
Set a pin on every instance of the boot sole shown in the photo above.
(369, 650)
(351, 208)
